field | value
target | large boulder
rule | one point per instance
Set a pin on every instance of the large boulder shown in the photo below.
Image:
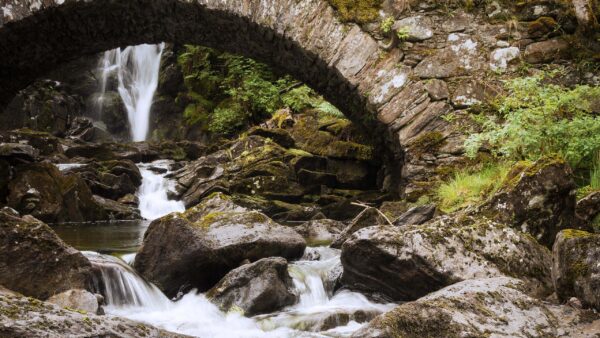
(17, 151)
(35, 261)
(111, 179)
(256, 288)
(27, 317)
(538, 198)
(41, 190)
(576, 272)
(487, 307)
(197, 248)
(408, 262)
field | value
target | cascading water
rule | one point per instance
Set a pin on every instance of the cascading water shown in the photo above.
(316, 315)
(137, 69)
(153, 193)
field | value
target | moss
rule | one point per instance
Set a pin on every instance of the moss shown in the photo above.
(542, 26)
(359, 11)
(427, 143)
(573, 233)
(298, 152)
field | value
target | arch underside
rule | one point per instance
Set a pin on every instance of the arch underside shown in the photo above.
(39, 42)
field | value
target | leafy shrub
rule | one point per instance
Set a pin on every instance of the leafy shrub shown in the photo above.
(537, 119)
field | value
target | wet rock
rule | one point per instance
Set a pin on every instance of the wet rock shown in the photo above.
(416, 215)
(111, 179)
(129, 199)
(405, 263)
(117, 211)
(481, 307)
(320, 231)
(27, 317)
(576, 272)
(42, 191)
(256, 288)
(537, 198)
(86, 130)
(76, 299)
(17, 151)
(203, 244)
(418, 28)
(368, 217)
(35, 261)
(546, 51)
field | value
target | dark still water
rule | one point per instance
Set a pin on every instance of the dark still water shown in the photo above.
(105, 237)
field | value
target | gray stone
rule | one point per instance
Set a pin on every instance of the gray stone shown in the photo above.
(368, 217)
(501, 57)
(546, 51)
(256, 288)
(416, 215)
(460, 58)
(18, 151)
(496, 307)
(437, 89)
(588, 207)
(76, 299)
(408, 262)
(576, 271)
(418, 27)
(199, 247)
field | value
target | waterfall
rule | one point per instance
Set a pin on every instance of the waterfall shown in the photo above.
(316, 315)
(154, 191)
(137, 69)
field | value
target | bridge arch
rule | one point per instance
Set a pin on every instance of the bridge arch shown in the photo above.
(300, 37)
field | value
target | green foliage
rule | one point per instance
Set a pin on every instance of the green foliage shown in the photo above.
(471, 188)
(386, 24)
(299, 99)
(595, 173)
(227, 118)
(403, 33)
(327, 109)
(538, 119)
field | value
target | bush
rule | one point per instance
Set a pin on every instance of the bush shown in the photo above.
(471, 188)
(538, 119)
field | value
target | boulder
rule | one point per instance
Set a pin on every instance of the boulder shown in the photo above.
(41, 190)
(27, 317)
(35, 261)
(538, 198)
(486, 307)
(111, 179)
(576, 272)
(117, 211)
(76, 299)
(405, 263)
(202, 245)
(86, 130)
(368, 217)
(256, 288)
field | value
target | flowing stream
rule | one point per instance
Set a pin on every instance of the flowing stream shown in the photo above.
(137, 69)
(153, 193)
(319, 313)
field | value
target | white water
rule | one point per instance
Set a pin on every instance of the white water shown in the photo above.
(195, 315)
(137, 69)
(153, 193)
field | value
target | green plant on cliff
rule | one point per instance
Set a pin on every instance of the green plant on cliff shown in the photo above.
(226, 92)
(470, 187)
(538, 118)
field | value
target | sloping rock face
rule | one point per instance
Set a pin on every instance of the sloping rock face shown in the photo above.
(496, 307)
(197, 248)
(34, 261)
(260, 287)
(27, 317)
(537, 198)
(41, 190)
(576, 272)
(405, 263)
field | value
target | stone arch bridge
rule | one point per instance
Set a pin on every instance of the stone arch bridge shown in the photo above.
(300, 37)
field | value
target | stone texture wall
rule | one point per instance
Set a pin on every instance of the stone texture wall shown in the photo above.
(411, 95)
